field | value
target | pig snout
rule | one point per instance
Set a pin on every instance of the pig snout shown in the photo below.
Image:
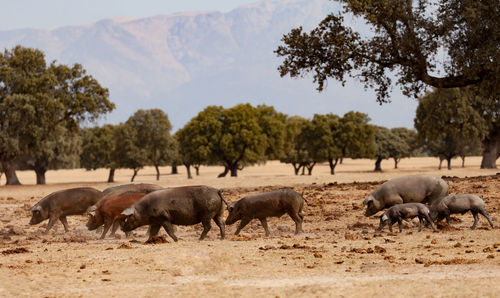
(92, 223)
(232, 218)
(128, 224)
(36, 218)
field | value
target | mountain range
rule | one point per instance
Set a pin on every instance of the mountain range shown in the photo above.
(183, 62)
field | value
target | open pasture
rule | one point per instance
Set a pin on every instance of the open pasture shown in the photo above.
(340, 254)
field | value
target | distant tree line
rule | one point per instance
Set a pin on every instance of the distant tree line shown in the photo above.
(45, 110)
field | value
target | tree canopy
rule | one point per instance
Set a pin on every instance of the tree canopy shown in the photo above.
(234, 137)
(295, 152)
(407, 139)
(98, 145)
(42, 107)
(445, 44)
(144, 139)
(446, 122)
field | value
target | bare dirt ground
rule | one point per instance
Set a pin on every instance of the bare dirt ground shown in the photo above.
(340, 254)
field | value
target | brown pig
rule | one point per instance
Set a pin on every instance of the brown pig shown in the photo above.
(109, 212)
(269, 204)
(59, 204)
(120, 190)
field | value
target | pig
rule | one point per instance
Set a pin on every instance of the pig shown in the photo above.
(145, 187)
(459, 203)
(405, 211)
(120, 190)
(109, 212)
(407, 189)
(59, 204)
(269, 204)
(187, 205)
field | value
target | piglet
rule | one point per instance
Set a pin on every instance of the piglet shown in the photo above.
(405, 211)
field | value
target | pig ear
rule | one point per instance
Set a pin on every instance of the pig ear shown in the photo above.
(230, 208)
(129, 211)
(91, 210)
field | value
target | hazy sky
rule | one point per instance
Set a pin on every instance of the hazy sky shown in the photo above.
(46, 14)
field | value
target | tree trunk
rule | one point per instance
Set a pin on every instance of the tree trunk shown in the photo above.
(341, 160)
(223, 174)
(296, 168)
(333, 165)
(157, 173)
(188, 169)
(303, 169)
(448, 160)
(10, 174)
(310, 168)
(440, 162)
(396, 161)
(197, 169)
(234, 170)
(174, 169)
(463, 161)
(135, 174)
(111, 177)
(491, 145)
(378, 163)
(40, 175)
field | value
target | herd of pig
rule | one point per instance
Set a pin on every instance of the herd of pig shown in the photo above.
(134, 205)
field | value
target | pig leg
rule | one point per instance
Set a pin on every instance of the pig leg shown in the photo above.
(439, 218)
(52, 221)
(391, 224)
(420, 220)
(485, 214)
(400, 224)
(153, 230)
(429, 220)
(298, 222)
(244, 221)
(116, 224)
(65, 223)
(263, 221)
(206, 227)
(107, 225)
(169, 228)
(476, 218)
(219, 221)
(448, 218)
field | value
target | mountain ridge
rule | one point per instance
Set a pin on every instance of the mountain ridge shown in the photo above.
(185, 61)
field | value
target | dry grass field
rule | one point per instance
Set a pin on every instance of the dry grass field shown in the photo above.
(340, 254)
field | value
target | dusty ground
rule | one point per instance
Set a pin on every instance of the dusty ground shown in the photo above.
(339, 255)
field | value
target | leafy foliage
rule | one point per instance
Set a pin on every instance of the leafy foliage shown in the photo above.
(407, 38)
(446, 121)
(295, 152)
(43, 107)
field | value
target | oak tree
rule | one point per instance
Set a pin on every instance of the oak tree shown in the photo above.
(444, 43)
